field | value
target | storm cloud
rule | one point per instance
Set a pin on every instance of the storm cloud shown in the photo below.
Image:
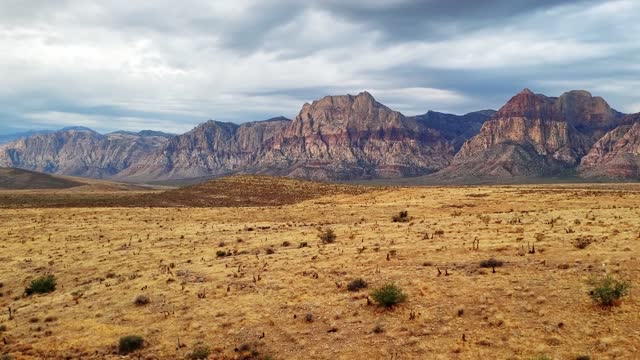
(169, 65)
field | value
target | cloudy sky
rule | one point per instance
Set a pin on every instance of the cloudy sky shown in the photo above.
(169, 65)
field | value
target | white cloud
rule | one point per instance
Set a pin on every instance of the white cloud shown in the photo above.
(201, 59)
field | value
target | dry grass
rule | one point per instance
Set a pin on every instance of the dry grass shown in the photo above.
(251, 302)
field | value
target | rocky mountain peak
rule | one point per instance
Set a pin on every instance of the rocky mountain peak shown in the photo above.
(581, 109)
(526, 104)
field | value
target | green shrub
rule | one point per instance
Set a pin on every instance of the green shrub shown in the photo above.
(130, 343)
(402, 216)
(388, 295)
(327, 236)
(200, 352)
(607, 290)
(357, 284)
(42, 285)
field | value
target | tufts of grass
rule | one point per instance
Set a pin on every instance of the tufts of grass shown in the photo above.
(129, 344)
(389, 295)
(327, 236)
(41, 285)
(357, 284)
(607, 290)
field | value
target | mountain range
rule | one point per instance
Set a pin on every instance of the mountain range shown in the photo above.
(355, 137)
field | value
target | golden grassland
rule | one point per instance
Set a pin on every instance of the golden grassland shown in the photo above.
(536, 304)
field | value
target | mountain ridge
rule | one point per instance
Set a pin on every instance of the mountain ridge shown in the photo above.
(347, 137)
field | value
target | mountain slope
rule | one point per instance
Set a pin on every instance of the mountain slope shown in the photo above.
(18, 179)
(616, 154)
(346, 137)
(534, 135)
(78, 152)
(211, 149)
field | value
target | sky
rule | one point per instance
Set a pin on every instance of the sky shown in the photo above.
(168, 65)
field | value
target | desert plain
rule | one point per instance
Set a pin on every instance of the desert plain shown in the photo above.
(253, 281)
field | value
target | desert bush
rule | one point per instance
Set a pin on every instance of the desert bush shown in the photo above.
(42, 285)
(200, 352)
(6, 357)
(303, 244)
(129, 344)
(142, 300)
(357, 284)
(327, 236)
(286, 243)
(485, 219)
(270, 251)
(402, 216)
(388, 295)
(582, 242)
(3, 328)
(607, 290)
(221, 253)
(491, 263)
(378, 329)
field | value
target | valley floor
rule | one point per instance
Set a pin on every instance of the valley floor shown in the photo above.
(259, 300)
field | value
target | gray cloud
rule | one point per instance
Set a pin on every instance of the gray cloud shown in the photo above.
(128, 64)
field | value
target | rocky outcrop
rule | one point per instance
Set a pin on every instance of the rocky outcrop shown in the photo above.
(616, 154)
(535, 135)
(79, 152)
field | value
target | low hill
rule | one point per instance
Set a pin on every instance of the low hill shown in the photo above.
(243, 190)
(18, 179)
(239, 190)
